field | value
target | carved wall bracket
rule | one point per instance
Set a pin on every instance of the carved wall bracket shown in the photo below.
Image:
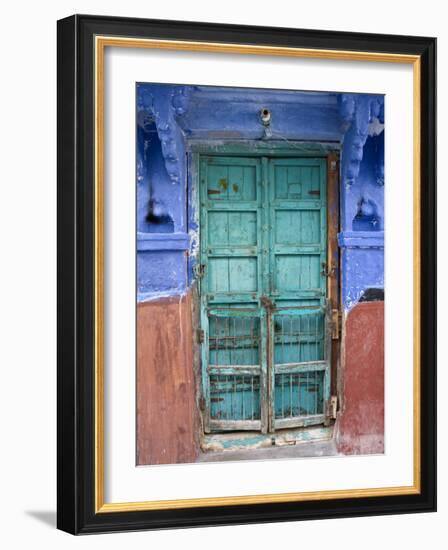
(358, 112)
(163, 106)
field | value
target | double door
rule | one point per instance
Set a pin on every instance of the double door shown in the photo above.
(266, 342)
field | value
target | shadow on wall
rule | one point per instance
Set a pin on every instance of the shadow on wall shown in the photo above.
(158, 216)
(370, 184)
(367, 217)
(154, 192)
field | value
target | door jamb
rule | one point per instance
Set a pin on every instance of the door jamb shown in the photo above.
(329, 150)
(333, 261)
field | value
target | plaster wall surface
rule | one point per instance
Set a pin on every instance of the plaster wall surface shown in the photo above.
(360, 424)
(172, 116)
(167, 414)
(170, 119)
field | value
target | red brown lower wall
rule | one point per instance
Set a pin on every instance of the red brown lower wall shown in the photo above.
(167, 415)
(360, 424)
(168, 424)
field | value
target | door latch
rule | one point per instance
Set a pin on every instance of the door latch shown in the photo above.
(199, 270)
(336, 322)
(267, 303)
(332, 408)
(328, 271)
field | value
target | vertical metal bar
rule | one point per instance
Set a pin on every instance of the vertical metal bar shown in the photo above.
(291, 347)
(308, 388)
(269, 373)
(251, 335)
(328, 344)
(205, 358)
(255, 331)
(243, 397)
(270, 370)
(231, 340)
(201, 185)
(282, 378)
(253, 397)
(238, 350)
(244, 338)
(226, 341)
(308, 335)
(290, 395)
(226, 390)
(235, 398)
(216, 338)
(247, 347)
(282, 336)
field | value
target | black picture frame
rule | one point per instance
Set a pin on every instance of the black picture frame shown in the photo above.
(76, 286)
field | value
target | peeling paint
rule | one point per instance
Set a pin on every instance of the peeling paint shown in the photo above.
(255, 440)
(170, 116)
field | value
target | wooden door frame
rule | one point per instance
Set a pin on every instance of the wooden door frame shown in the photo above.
(275, 149)
(334, 264)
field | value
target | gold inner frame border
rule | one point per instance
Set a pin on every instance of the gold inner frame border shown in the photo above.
(100, 44)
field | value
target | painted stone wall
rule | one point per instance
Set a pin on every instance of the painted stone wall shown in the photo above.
(169, 119)
(360, 424)
(167, 411)
(361, 238)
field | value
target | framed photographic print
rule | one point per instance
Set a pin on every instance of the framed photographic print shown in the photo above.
(246, 274)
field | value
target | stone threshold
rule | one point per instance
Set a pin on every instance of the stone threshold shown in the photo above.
(310, 441)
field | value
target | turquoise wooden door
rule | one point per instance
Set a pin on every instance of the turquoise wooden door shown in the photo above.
(265, 351)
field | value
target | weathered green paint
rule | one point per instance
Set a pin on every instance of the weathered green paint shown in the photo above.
(262, 241)
(232, 442)
(252, 148)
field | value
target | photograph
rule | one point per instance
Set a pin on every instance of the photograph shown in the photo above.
(260, 273)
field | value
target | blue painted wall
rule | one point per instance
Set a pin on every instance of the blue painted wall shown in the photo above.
(169, 116)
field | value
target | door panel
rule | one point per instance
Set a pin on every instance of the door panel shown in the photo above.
(263, 235)
(235, 274)
(234, 349)
(295, 272)
(298, 394)
(231, 180)
(236, 368)
(296, 179)
(297, 227)
(230, 229)
(234, 398)
(298, 338)
(301, 359)
(298, 237)
(234, 229)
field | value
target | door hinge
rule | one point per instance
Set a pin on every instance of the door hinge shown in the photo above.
(199, 270)
(336, 324)
(201, 336)
(202, 403)
(332, 407)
